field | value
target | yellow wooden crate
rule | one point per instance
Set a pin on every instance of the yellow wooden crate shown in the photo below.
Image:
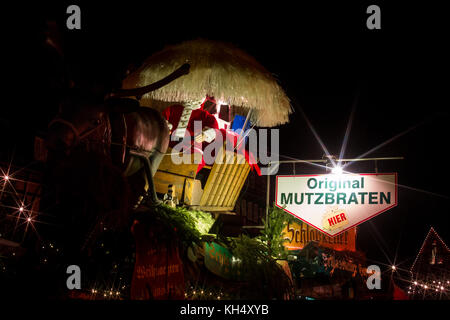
(222, 187)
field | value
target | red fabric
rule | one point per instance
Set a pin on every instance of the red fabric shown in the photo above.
(210, 99)
(233, 138)
(399, 294)
(173, 115)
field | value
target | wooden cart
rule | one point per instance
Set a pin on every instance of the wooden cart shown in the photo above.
(224, 181)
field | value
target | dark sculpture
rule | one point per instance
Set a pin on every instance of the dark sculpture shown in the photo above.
(132, 137)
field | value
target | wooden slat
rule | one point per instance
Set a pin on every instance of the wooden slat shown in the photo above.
(228, 181)
(221, 181)
(214, 180)
(209, 185)
(235, 187)
(239, 184)
(219, 186)
(232, 179)
(225, 182)
(192, 192)
(228, 186)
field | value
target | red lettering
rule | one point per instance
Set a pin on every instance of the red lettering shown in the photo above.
(337, 219)
(212, 251)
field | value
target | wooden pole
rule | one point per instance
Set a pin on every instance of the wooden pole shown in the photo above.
(268, 198)
(243, 129)
(339, 160)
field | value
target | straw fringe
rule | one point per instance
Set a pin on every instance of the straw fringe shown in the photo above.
(217, 69)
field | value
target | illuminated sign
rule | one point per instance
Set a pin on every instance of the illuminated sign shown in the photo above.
(298, 234)
(334, 203)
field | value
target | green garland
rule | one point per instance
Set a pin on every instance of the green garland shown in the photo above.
(264, 276)
(258, 259)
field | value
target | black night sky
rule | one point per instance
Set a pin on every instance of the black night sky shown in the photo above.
(324, 57)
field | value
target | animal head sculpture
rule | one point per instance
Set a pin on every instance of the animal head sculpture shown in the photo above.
(88, 183)
(83, 120)
(83, 116)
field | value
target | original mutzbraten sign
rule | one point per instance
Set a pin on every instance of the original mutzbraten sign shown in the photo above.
(335, 203)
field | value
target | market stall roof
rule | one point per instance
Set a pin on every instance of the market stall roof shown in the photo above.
(218, 69)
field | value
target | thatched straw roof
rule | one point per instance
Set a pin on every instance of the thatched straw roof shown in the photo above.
(217, 69)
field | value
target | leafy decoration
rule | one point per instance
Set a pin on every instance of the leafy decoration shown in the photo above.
(272, 232)
(258, 259)
(189, 225)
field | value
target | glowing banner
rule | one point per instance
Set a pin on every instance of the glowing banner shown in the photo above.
(299, 234)
(335, 203)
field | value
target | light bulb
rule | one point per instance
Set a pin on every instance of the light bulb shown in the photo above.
(337, 170)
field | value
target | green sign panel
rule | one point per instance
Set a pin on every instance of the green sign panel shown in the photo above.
(220, 261)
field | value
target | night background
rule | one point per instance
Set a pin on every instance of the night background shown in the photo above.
(323, 56)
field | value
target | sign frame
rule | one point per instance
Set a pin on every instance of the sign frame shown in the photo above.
(347, 227)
